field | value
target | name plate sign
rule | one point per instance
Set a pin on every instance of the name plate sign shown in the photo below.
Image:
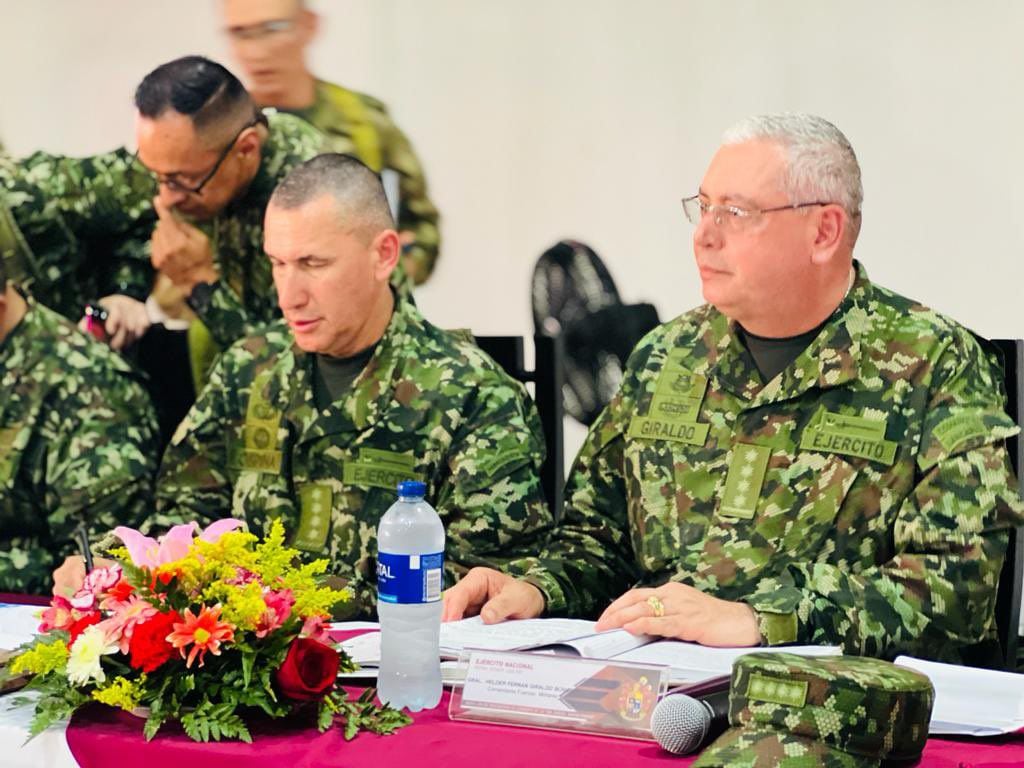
(566, 693)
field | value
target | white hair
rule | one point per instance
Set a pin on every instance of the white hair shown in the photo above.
(821, 165)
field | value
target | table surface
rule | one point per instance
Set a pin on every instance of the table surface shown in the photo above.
(97, 733)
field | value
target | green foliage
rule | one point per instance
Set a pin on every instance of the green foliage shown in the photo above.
(361, 714)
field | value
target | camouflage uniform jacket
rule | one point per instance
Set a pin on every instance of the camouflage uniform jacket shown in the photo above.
(427, 406)
(77, 442)
(74, 230)
(861, 497)
(360, 125)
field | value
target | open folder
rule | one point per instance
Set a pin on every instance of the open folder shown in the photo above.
(689, 662)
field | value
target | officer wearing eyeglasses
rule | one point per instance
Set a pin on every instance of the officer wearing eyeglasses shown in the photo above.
(216, 159)
(808, 457)
(269, 38)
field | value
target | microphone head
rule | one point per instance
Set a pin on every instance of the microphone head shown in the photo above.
(680, 723)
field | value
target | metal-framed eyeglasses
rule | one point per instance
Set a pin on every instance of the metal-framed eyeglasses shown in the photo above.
(176, 184)
(732, 216)
(261, 30)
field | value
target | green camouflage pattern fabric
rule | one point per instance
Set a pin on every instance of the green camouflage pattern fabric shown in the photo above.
(427, 407)
(78, 442)
(790, 711)
(73, 230)
(360, 125)
(860, 498)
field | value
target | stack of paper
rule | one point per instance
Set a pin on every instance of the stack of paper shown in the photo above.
(972, 702)
(690, 663)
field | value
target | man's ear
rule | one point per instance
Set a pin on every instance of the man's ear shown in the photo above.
(829, 233)
(249, 142)
(386, 250)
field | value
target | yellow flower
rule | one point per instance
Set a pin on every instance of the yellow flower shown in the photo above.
(122, 693)
(242, 604)
(41, 659)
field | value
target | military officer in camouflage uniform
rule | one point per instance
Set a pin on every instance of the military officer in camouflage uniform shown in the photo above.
(269, 38)
(77, 441)
(317, 419)
(75, 230)
(808, 457)
(216, 159)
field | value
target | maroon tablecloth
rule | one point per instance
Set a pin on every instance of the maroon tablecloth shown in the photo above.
(103, 737)
(99, 736)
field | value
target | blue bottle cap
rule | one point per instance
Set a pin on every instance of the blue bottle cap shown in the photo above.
(412, 489)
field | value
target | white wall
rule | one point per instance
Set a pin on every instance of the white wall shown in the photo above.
(538, 119)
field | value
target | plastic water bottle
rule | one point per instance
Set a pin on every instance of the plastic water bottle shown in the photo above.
(410, 574)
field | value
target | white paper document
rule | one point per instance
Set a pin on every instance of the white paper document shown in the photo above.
(689, 662)
(692, 663)
(18, 624)
(970, 701)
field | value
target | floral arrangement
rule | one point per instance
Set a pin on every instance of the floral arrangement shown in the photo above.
(201, 628)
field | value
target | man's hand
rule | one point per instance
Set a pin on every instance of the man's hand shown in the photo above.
(70, 576)
(494, 595)
(181, 251)
(127, 320)
(687, 614)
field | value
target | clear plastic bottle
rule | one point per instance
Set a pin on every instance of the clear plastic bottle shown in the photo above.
(410, 576)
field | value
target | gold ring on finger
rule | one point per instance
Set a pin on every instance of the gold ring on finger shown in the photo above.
(656, 605)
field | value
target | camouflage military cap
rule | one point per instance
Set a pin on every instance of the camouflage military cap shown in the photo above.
(791, 712)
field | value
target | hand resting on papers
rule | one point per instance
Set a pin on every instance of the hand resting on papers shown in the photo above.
(672, 610)
(680, 612)
(493, 595)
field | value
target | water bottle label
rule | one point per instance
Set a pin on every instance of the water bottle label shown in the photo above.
(409, 578)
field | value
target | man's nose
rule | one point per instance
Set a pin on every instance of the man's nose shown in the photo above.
(708, 232)
(291, 288)
(171, 197)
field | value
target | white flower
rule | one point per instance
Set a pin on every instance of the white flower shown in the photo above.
(84, 658)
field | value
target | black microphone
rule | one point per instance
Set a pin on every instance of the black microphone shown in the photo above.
(683, 724)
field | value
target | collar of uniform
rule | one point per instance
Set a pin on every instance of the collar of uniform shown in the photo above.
(371, 392)
(323, 110)
(273, 155)
(830, 360)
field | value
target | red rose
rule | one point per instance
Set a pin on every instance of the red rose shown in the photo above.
(148, 646)
(309, 670)
(78, 627)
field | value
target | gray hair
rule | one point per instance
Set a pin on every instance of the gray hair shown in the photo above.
(356, 189)
(821, 164)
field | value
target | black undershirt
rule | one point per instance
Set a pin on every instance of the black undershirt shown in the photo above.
(772, 356)
(334, 376)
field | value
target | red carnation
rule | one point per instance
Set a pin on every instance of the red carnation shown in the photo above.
(79, 626)
(308, 671)
(120, 591)
(148, 647)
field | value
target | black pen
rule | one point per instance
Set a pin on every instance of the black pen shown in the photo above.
(82, 533)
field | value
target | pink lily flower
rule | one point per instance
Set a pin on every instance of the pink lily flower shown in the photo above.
(147, 552)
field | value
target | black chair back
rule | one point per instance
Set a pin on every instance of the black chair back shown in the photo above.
(1008, 599)
(547, 377)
